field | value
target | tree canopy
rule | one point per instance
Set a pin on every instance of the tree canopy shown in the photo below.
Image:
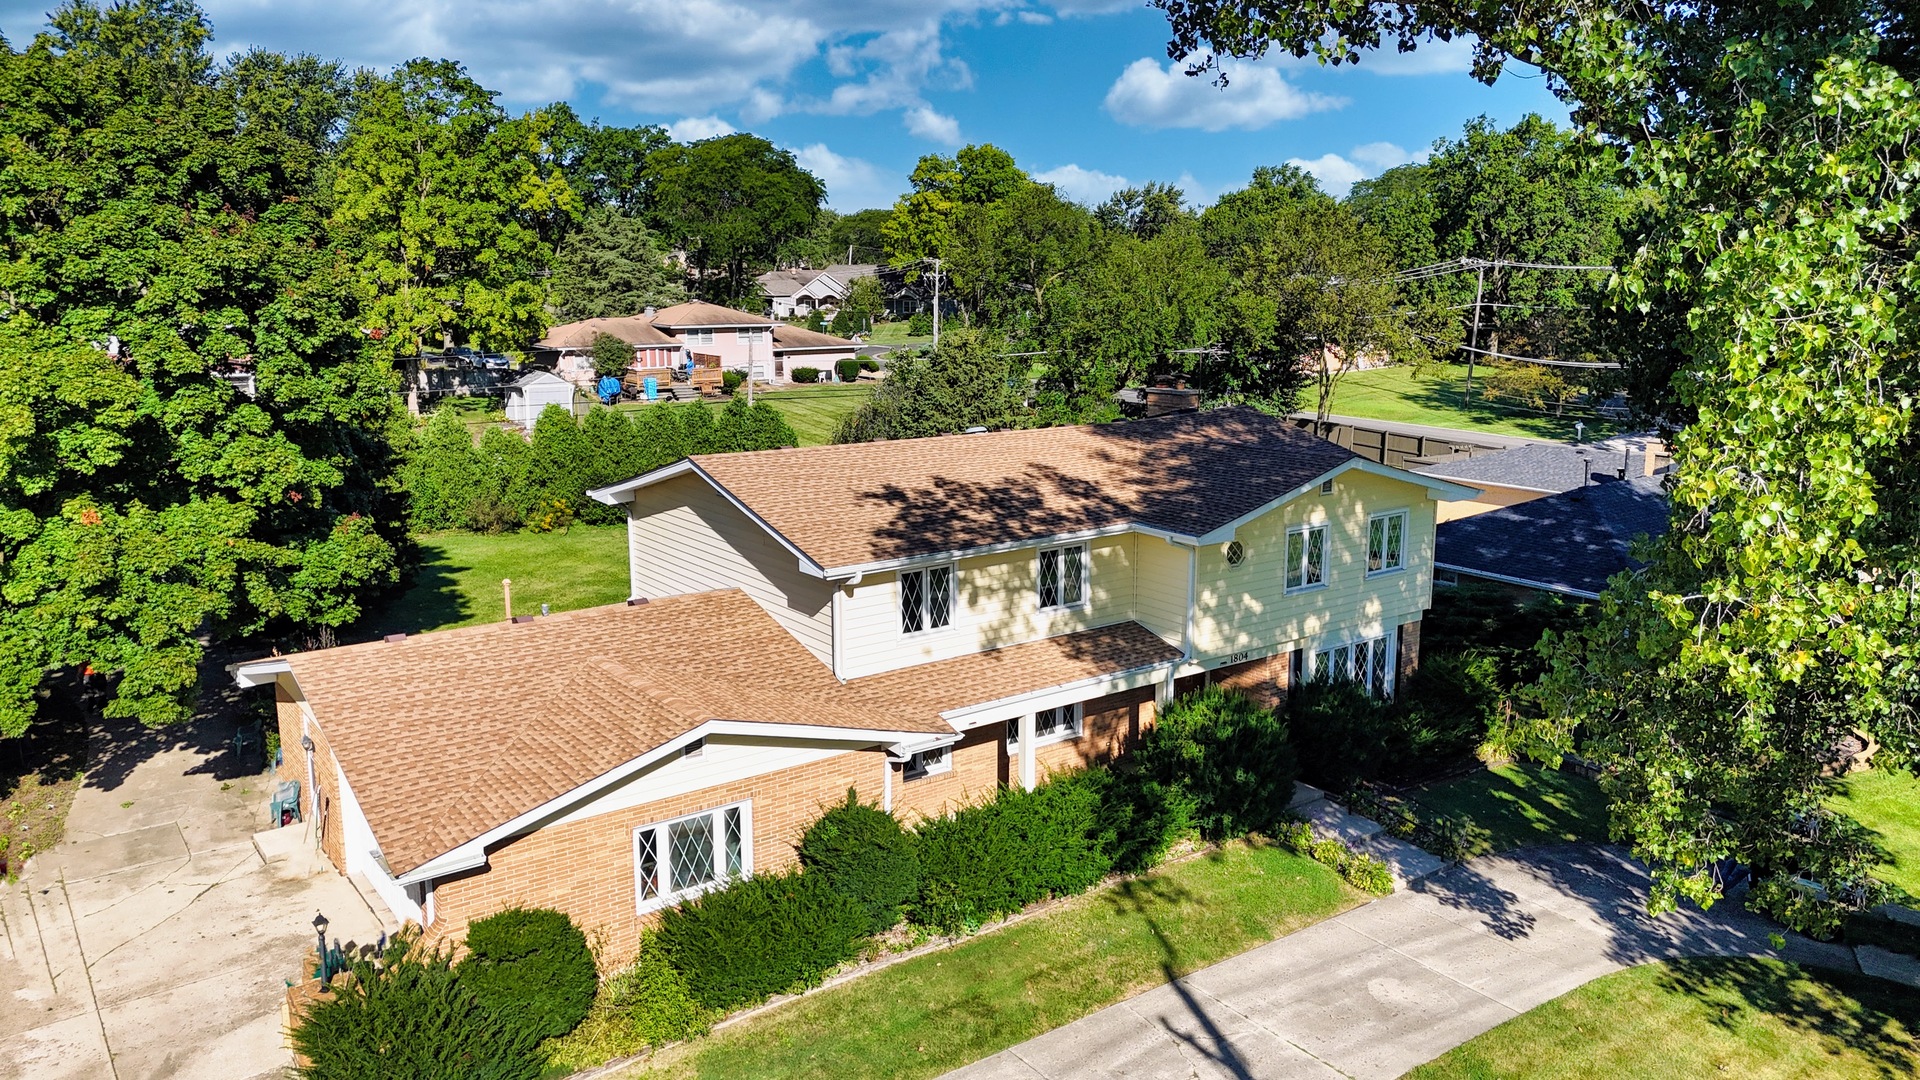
(732, 202)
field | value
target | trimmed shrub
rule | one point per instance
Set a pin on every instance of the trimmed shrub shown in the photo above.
(806, 374)
(1025, 846)
(730, 380)
(1341, 733)
(920, 324)
(1231, 756)
(846, 370)
(532, 968)
(413, 1016)
(865, 855)
(761, 936)
(1140, 817)
(869, 364)
(654, 997)
(1444, 712)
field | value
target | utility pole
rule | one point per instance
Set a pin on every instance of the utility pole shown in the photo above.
(936, 303)
(750, 342)
(1473, 343)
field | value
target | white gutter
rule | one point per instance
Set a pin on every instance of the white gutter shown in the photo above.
(1541, 585)
(997, 709)
(258, 672)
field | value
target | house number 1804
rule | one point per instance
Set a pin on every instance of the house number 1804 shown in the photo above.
(1239, 658)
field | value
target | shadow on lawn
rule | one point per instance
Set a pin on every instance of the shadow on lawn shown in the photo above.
(1140, 897)
(1879, 1023)
(1445, 395)
(432, 598)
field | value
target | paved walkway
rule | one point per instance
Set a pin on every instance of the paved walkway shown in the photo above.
(155, 941)
(1397, 982)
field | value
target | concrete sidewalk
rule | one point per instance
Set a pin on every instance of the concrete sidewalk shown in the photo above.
(1384, 987)
(155, 942)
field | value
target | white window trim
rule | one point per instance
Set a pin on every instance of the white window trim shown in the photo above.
(664, 853)
(1326, 557)
(944, 764)
(1406, 525)
(700, 337)
(1077, 728)
(900, 594)
(1086, 577)
(1390, 640)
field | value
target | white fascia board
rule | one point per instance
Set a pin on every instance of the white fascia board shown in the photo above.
(258, 672)
(1541, 585)
(1465, 481)
(611, 496)
(473, 854)
(1442, 490)
(856, 569)
(906, 748)
(972, 716)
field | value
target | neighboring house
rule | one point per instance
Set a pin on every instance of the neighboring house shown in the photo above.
(801, 292)
(1535, 471)
(921, 622)
(530, 394)
(1569, 543)
(568, 348)
(797, 346)
(741, 340)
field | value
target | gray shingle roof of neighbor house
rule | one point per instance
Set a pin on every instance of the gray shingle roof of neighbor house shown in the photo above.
(1567, 543)
(1549, 467)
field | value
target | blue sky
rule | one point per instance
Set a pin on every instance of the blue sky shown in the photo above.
(1080, 91)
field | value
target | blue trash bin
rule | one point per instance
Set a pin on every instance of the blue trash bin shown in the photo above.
(653, 388)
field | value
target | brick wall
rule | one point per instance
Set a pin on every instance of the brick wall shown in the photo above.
(586, 869)
(1108, 728)
(1264, 680)
(321, 805)
(980, 767)
(1409, 651)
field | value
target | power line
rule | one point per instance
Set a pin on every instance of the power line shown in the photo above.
(1526, 359)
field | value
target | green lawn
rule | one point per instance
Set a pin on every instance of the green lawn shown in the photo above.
(942, 1010)
(1888, 803)
(1515, 805)
(816, 410)
(895, 333)
(459, 579)
(1436, 397)
(1753, 1019)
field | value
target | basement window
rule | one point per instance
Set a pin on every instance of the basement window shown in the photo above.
(1049, 726)
(929, 763)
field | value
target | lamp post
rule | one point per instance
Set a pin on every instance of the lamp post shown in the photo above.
(326, 965)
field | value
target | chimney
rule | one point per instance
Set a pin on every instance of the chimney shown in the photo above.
(1169, 394)
(1654, 448)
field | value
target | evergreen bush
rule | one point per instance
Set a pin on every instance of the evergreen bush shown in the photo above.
(730, 380)
(806, 374)
(864, 854)
(1341, 733)
(441, 472)
(413, 1016)
(920, 324)
(1232, 757)
(1444, 712)
(654, 999)
(846, 370)
(532, 968)
(869, 364)
(996, 858)
(761, 936)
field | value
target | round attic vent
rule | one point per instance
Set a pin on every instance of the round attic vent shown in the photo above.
(1236, 553)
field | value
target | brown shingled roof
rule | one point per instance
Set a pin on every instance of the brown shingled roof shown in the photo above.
(859, 503)
(632, 329)
(701, 313)
(788, 336)
(444, 736)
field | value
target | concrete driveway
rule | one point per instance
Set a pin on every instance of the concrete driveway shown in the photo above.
(1389, 985)
(156, 941)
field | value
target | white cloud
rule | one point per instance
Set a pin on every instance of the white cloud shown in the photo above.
(1428, 58)
(695, 128)
(1149, 95)
(1338, 174)
(933, 126)
(1087, 186)
(852, 184)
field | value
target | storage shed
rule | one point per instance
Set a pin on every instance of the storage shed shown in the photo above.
(531, 393)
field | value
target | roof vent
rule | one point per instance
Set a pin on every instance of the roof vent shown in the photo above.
(636, 601)
(394, 637)
(650, 312)
(524, 618)
(976, 430)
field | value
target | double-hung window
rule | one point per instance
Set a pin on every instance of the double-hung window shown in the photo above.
(753, 336)
(1306, 557)
(1063, 576)
(1049, 725)
(926, 599)
(1368, 662)
(1386, 542)
(700, 337)
(676, 859)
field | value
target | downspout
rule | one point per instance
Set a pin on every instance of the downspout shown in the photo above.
(838, 606)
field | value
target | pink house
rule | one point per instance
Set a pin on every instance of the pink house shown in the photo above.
(744, 341)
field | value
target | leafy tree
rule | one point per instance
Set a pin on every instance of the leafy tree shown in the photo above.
(1775, 138)
(305, 98)
(442, 473)
(759, 426)
(605, 166)
(611, 356)
(152, 238)
(441, 201)
(843, 323)
(1012, 252)
(866, 302)
(1240, 221)
(731, 202)
(613, 265)
(961, 384)
(1145, 212)
(612, 451)
(863, 232)
(923, 223)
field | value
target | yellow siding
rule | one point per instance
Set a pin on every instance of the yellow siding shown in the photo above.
(1245, 608)
(1492, 497)
(684, 537)
(1160, 587)
(995, 605)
